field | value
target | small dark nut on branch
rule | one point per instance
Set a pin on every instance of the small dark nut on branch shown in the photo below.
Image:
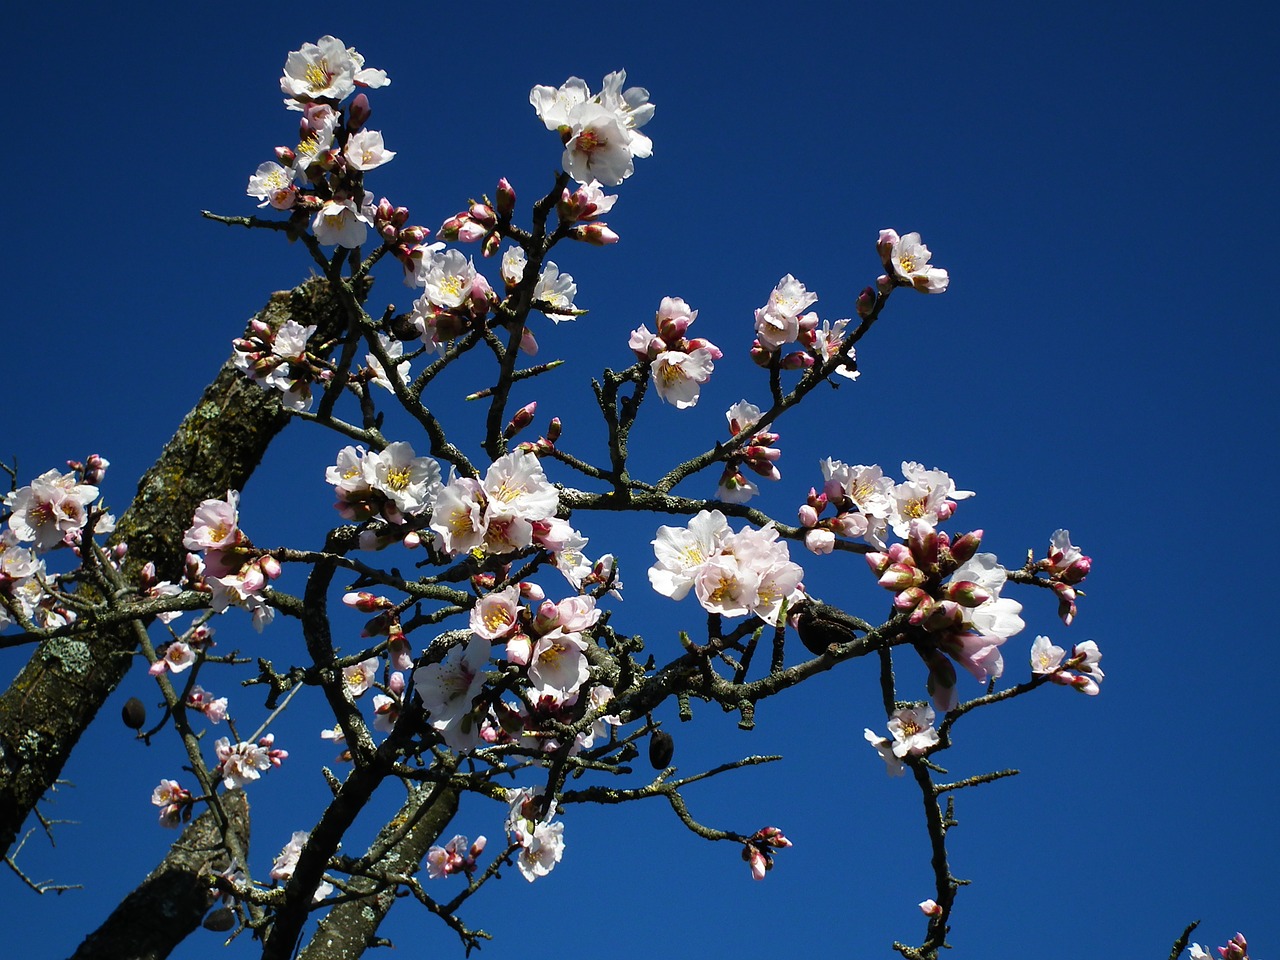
(820, 625)
(661, 749)
(133, 713)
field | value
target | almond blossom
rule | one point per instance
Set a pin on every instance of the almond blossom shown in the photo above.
(600, 133)
(243, 763)
(448, 690)
(326, 70)
(908, 260)
(50, 508)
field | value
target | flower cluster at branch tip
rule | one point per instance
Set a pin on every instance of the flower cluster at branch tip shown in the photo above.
(287, 861)
(1237, 948)
(457, 856)
(913, 735)
(50, 513)
(541, 842)
(174, 803)
(907, 260)
(757, 455)
(758, 850)
(600, 132)
(733, 574)
(679, 366)
(233, 571)
(279, 359)
(242, 763)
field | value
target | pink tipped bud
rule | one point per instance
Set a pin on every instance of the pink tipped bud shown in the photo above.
(900, 553)
(491, 243)
(808, 516)
(797, 360)
(930, 908)
(158, 667)
(270, 566)
(910, 599)
(761, 356)
(385, 211)
(923, 543)
(697, 343)
(482, 213)
(449, 229)
(963, 548)
(672, 329)
(285, 156)
(899, 576)
(596, 234)
(470, 231)
(119, 551)
(366, 602)
(967, 593)
(884, 244)
(147, 575)
(945, 616)
(773, 837)
(884, 284)
(395, 683)
(506, 201)
(412, 540)
(1077, 571)
(866, 302)
(553, 430)
(478, 845)
(523, 417)
(414, 235)
(358, 113)
(531, 591)
(878, 562)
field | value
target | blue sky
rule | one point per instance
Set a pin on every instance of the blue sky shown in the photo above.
(1097, 180)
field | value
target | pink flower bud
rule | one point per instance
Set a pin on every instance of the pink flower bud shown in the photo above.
(366, 602)
(910, 599)
(553, 430)
(523, 417)
(797, 360)
(878, 562)
(930, 909)
(1077, 571)
(967, 593)
(899, 576)
(820, 542)
(469, 231)
(449, 229)
(395, 683)
(414, 235)
(285, 156)
(866, 301)
(506, 201)
(270, 566)
(697, 343)
(808, 516)
(147, 575)
(478, 845)
(358, 113)
(412, 540)
(884, 244)
(963, 548)
(923, 543)
(491, 243)
(597, 234)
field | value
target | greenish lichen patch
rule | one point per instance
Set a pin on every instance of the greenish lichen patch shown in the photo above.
(72, 654)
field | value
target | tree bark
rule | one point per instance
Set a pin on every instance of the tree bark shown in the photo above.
(350, 928)
(170, 903)
(216, 448)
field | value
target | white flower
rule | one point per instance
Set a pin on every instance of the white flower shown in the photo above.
(1045, 657)
(215, 525)
(681, 552)
(326, 70)
(340, 223)
(909, 259)
(543, 848)
(496, 614)
(458, 515)
(558, 665)
(912, 729)
(359, 677)
(513, 264)
(50, 507)
(448, 690)
(273, 185)
(241, 764)
(678, 377)
(394, 349)
(602, 131)
(448, 276)
(884, 746)
(410, 482)
(998, 616)
(365, 151)
(556, 290)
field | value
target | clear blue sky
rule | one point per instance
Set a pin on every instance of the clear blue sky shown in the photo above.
(1098, 180)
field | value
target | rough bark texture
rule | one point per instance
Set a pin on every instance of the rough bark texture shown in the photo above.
(351, 927)
(170, 903)
(216, 448)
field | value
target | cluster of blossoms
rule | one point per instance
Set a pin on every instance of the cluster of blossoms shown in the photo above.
(1237, 948)
(1066, 567)
(913, 735)
(174, 803)
(279, 359)
(758, 850)
(541, 841)
(214, 708)
(757, 455)
(49, 513)
(457, 856)
(233, 570)
(1080, 671)
(600, 133)
(733, 574)
(866, 503)
(393, 484)
(679, 366)
(287, 861)
(243, 762)
(177, 655)
(907, 260)
(783, 320)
